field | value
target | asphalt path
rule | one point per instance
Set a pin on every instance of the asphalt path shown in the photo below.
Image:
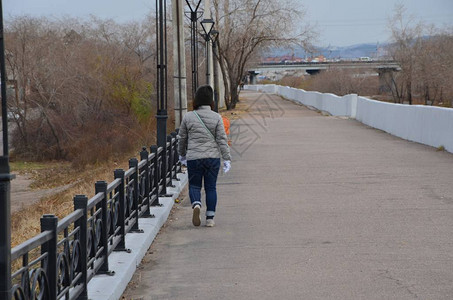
(314, 207)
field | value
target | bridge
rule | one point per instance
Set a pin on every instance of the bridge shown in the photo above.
(382, 67)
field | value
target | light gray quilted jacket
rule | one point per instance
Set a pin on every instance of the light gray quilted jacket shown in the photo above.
(195, 142)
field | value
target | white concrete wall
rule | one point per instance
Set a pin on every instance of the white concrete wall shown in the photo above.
(427, 125)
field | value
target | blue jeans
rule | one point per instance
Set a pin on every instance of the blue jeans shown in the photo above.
(206, 169)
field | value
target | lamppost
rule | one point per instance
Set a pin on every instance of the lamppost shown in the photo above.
(194, 49)
(161, 117)
(215, 38)
(207, 25)
(5, 183)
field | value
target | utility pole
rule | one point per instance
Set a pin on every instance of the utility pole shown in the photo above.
(209, 56)
(194, 43)
(215, 68)
(179, 59)
(161, 82)
(226, 30)
(218, 78)
(5, 182)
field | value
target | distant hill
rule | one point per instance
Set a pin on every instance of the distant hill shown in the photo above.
(332, 52)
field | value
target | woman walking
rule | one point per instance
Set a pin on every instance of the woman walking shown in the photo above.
(202, 142)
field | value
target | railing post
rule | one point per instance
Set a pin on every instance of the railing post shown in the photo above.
(175, 155)
(101, 187)
(119, 174)
(144, 156)
(5, 228)
(81, 202)
(163, 170)
(49, 223)
(133, 163)
(170, 159)
(156, 176)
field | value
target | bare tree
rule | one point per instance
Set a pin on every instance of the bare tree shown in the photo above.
(248, 27)
(435, 67)
(343, 81)
(79, 83)
(20, 38)
(424, 54)
(407, 38)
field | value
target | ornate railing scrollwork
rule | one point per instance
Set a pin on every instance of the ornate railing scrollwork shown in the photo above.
(39, 284)
(142, 188)
(129, 198)
(63, 272)
(98, 234)
(34, 286)
(116, 212)
(18, 293)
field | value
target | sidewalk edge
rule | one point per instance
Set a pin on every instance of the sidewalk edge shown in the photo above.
(105, 287)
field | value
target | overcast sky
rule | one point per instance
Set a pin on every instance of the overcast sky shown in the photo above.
(339, 22)
(348, 22)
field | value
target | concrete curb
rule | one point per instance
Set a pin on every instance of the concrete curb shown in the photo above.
(105, 287)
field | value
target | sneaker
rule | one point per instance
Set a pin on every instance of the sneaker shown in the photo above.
(210, 223)
(196, 221)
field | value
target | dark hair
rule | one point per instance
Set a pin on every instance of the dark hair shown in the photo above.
(204, 96)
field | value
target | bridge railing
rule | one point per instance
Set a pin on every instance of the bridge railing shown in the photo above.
(340, 62)
(60, 261)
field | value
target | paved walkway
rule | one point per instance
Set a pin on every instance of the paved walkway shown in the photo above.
(315, 207)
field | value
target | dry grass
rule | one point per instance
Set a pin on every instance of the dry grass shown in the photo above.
(242, 107)
(26, 223)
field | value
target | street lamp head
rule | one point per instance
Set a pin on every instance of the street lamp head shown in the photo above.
(214, 36)
(194, 9)
(207, 25)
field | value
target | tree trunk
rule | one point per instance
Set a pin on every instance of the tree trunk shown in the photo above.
(426, 94)
(234, 95)
(59, 153)
(409, 92)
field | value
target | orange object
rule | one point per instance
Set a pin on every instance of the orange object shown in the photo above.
(226, 124)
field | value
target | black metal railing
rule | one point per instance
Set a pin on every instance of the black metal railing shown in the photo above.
(59, 262)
